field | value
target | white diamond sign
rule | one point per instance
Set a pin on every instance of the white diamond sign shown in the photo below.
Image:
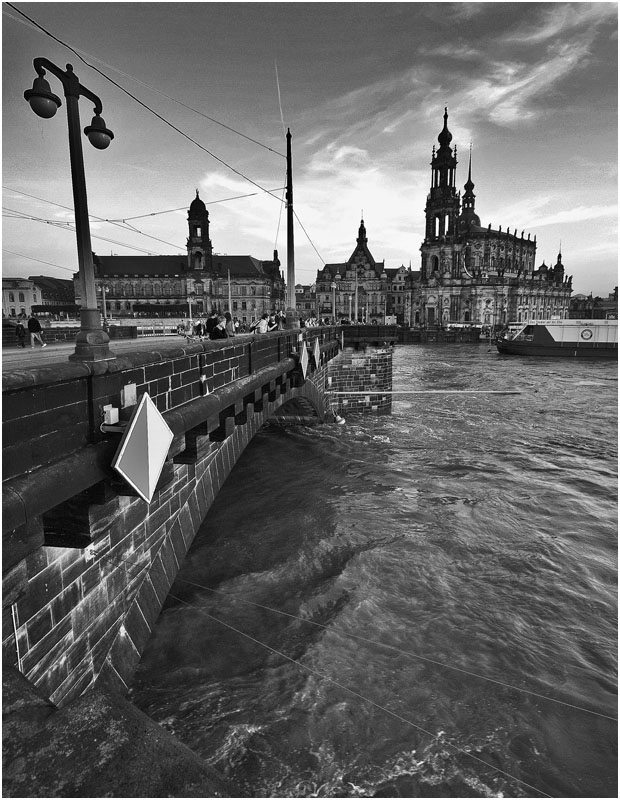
(317, 353)
(303, 360)
(143, 449)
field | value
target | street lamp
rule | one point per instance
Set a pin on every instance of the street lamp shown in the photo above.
(190, 297)
(91, 343)
(104, 289)
(333, 288)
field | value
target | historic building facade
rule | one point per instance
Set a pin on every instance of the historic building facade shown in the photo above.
(18, 297)
(168, 286)
(362, 288)
(473, 274)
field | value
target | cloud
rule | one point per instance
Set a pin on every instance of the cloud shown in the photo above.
(577, 214)
(558, 19)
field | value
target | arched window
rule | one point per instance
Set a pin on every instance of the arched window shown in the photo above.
(157, 289)
(447, 223)
(148, 290)
(436, 227)
(466, 316)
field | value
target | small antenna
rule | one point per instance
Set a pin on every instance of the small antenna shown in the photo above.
(280, 98)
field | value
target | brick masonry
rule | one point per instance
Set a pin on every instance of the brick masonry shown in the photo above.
(367, 375)
(85, 612)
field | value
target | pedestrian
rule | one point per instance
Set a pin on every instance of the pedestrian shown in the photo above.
(188, 330)
(34, 328)
(219, 331)
(198, 329)
(210, 323)
(261, 327)
(272, 323)
(281, 317)
(230, 325)
(20, 332)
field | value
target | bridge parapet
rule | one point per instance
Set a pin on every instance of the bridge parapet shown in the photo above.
(86, 562)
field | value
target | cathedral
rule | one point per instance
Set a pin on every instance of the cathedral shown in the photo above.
(475, 275)
(167, 286)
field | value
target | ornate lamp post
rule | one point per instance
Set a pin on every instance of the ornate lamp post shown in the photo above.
(104, 289)
(91, 343)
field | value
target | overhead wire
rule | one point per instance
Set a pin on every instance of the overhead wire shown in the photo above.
(144, 105)
(117, 223)
(178, 130)
(70, 226)
(49, 264)
(77, 51)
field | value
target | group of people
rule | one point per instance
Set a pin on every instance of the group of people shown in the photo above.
(32, 332)
(218, 326)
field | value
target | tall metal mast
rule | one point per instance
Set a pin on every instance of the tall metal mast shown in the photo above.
(290, 244)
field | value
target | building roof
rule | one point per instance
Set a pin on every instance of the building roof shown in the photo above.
(139, 265)
(168, 266)
(60, 286)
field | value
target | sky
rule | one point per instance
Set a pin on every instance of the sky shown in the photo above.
(362, 87)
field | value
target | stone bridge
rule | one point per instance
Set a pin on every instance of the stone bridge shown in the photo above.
(87, 563)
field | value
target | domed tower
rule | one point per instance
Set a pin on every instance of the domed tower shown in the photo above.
(468, 215)
(443, 201)
(199, 247)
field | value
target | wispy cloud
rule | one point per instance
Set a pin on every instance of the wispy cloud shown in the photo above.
(558, 19)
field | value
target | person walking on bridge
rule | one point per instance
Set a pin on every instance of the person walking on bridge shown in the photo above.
(34, 328)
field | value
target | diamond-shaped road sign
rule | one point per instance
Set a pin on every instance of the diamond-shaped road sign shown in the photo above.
(303, 359)
(143, 449)
(317, 353)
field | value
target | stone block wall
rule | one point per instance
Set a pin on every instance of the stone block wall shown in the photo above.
(360, 380)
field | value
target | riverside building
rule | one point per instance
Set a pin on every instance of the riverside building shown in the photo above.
(166, 286)
(473, 274)
(363, 289)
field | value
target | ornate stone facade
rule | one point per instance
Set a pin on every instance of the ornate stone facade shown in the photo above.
(364, 285)
(476, 275)
(164, 286)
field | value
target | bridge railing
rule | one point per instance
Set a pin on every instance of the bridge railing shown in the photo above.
(52, 414)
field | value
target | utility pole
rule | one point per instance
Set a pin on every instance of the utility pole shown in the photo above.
(290, 244)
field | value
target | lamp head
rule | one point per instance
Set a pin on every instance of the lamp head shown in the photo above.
(98, 135)
(42, 101)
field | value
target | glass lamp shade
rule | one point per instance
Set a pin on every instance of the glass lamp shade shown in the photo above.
(98, 135)
(42, 101)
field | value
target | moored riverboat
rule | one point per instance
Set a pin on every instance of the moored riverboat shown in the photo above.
(569, 338)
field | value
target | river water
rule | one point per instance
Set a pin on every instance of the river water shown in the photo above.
(419, 604)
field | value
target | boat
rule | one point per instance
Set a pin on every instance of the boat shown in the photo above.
(569, 338)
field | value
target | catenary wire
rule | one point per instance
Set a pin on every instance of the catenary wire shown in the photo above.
(402, 652)
(68, 226)
(145, 106)
(308, 237)
(356, 694)
(163, 119)
(118, 223)
(184, 208)
(148, 86)
(49, 264)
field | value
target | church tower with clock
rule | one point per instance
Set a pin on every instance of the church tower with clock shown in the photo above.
(475, 275)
